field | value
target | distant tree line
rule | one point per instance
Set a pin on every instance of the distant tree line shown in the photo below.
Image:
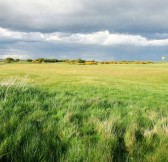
(74, 61)
(10, 59)
(40, 60)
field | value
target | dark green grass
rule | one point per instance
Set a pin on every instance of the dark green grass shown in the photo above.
(83, 123)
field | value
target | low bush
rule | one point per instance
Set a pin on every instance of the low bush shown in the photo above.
(40, 60)
(126, 62)
(17, 60)
(36, 61)
(29, 60)
(51, 60)
(91, 63)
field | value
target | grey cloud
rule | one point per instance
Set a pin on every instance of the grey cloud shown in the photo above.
(131, 16)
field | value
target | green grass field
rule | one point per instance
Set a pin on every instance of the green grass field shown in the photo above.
(83, 113)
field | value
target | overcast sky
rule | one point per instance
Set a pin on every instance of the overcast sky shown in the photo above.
(99, 29)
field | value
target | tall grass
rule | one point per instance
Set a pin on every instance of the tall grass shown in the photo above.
(83, 123)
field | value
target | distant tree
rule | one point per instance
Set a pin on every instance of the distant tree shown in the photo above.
(64, 60)
(40, 59)
(17, 60)
(9, 60)
(81, 61)
(29, 60)
(51, 60)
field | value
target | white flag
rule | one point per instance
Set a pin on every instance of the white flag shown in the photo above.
(163, 58)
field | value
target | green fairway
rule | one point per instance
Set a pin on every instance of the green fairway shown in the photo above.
(91, 113)
(61, 74)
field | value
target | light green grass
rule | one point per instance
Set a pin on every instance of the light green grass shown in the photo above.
(61, 112)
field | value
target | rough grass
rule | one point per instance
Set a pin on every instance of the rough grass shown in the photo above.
(103, 116)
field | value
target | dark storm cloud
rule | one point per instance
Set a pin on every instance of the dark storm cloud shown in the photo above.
(90, 52)
(132, 16)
